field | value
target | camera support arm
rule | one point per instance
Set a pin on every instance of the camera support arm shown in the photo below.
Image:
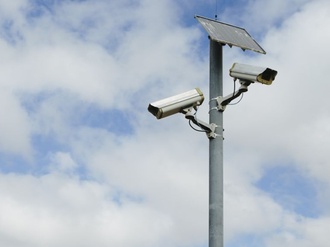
(224, 101)
(208, 128)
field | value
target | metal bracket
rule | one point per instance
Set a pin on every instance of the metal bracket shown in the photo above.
(208, 128)
(212, 134)
(224, 101)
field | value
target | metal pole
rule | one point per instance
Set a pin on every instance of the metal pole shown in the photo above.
(216, 150)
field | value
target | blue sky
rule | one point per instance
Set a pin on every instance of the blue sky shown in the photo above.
(82, 161)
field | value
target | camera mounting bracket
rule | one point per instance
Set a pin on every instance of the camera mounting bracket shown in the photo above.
(224, 101)
(208, 128)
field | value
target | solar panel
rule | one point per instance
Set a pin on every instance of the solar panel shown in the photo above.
(229, 34)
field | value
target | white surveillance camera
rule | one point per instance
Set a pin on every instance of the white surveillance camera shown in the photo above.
(251, 73)
(177, 103)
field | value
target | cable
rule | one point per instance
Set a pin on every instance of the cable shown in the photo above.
(234, 86)
(198, 130)
(195, 117)
(238, 100)
(234, 94)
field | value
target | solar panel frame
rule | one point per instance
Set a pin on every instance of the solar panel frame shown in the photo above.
(228, 34)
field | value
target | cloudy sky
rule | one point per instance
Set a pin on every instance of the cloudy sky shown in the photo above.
(83, 163)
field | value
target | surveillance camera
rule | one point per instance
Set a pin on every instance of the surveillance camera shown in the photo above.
(251, 73)
(177, 103)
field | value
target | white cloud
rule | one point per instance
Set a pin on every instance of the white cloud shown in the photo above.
(63, 162)
(302, 232)
(56, 210)
(249, 211)
(15, 126)
(12, 8)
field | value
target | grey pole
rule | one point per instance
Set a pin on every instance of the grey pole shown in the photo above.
(216, 150)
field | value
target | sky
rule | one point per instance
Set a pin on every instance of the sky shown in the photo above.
(83, 163)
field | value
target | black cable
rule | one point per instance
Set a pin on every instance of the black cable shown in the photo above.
(234, 86)
(195, 117)
(198, 130)
(238, 100)
(234, 94)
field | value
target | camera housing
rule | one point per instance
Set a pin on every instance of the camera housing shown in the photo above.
(251, 73)
(178, 103)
